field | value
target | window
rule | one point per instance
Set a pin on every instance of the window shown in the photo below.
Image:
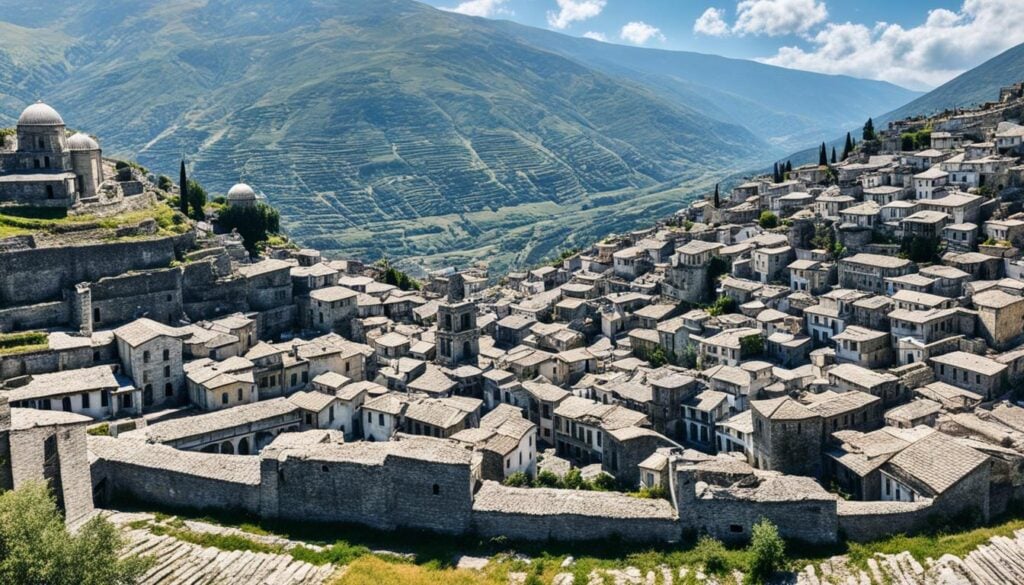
(239, 394)
(104, 398)
(167, 371)
(369, 418)
(145, 357)
(380, 419)
(168, 389)
(224, 398)
(295, 379)
(85, 400)
(167, 354)
(436, 489)
(305, 377)
(65, 403)
(95, 356)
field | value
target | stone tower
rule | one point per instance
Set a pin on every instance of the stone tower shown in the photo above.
(458, 337)
(87, 164)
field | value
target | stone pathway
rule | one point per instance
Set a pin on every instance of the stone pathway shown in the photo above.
(183, 563)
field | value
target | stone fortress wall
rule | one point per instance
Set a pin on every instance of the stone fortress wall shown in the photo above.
(415, 482)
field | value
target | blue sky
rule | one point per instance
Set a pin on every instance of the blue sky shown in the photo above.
(913, 43)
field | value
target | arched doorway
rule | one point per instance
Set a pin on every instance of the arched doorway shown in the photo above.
(243, 446)
(227, 448)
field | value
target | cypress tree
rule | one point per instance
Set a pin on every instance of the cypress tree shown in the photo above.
(848, 147)
(789, 166)
(775, 173)
(833, 155)
(869, 130)
(183, 189)
(716, 196)
(822, 156)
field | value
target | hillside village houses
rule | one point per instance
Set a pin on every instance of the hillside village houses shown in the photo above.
(866, 351)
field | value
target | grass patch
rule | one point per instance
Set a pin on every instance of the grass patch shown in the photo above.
(16, 221)
(100, 430)
(923, 546)
(23, 342)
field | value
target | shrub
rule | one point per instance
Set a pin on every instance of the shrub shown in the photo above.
(767, 552)
(36, 548)
(546, 479)
(255, 224)
(712, 554)
(573, 480)
(768, 220)
(517, 479)
(604, 483)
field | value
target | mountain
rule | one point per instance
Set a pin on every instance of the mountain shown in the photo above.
(386, 127)
(973, 87)
(787, 108)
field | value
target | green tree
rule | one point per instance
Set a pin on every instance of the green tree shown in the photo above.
(573, 480)
(546, 479)
(604, 483)
(712, 554)
(36, 548)
(822, 156)
(196, 199)
(254, 223)
(768, 220)
(751, 346)
(767, 552)
(920, 248)
(848, 147)
(164, 183)
(657, 357)
(869, 130)
(717, 201)
(183, 189)
(517, 479)
(789, 166)
(688, 359)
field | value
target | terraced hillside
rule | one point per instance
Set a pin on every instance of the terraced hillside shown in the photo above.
(376, 126)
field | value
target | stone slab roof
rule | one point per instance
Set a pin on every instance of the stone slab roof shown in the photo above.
(494, 497)
(938, 461)
(66, 382)
(200, 424)
(244, 469)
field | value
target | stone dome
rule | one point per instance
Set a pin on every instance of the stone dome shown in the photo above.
(241, 192)
(82, 141)
(40, 114)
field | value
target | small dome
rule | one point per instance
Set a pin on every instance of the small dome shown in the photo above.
(241, 192)
(40, 114)
(81, 141)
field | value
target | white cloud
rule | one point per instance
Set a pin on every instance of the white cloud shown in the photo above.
(639, 32)
(778, 17)
(485, 8)
(711, 23)
(921, 57)
(570, 11)
(595, 36)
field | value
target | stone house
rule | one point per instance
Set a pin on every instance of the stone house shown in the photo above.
(580, 425)
(93, 392)
(867, 272)
(510, 331)
(687, 276)
(727, 347)
(920, 412)
(770, 263)
(927, 183)
(329, 309)
(810, 276)
(151, 355)
(626, 448)
(864, 347)
(350, 397)
(1006, 230)
(319, 410)
(268, 286)
(853, 378)
(544, 399)
(787, 436)
(701, 415)
(979, 266)
(215, 385)
(736, 435)
(975, 373)
(381, 416)
(439, 417)
(844, 411)
(1000, 317)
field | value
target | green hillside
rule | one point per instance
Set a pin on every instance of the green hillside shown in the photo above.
(386, 126)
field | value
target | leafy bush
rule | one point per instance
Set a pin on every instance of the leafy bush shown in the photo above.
(546, 479)
(768, 220)
(517, 479)
(722, 306)
(768, 552)
(37, 549)
(255, 224)
(712, 554)
(573, 480)
(604, 483)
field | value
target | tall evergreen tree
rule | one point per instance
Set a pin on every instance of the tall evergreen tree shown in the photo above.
(834, 155)
(848, 147)
(822, 156)
(789, 166)
(869, 130)
(775, 173)
(716, 196)
(183, 189)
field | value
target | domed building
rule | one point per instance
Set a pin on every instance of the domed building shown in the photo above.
(44, 166)
(241, 195)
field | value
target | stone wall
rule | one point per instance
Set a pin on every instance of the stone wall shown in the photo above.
(863, 521)
(169, 477)
(152, 293)
(552, 514)
(731, 520)
(67, 465)
(43, 274)
(37, 316)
